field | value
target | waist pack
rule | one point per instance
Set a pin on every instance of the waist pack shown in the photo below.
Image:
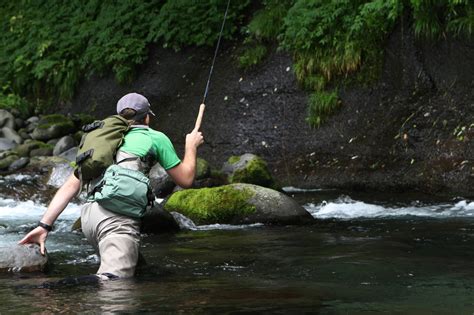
(123, 191)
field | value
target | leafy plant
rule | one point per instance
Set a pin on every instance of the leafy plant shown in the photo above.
(321, 104)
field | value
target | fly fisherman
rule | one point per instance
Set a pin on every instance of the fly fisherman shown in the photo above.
(116, 237)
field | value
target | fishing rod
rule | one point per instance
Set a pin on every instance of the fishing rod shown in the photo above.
(202, 107)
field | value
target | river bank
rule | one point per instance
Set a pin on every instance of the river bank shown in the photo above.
(410, 130)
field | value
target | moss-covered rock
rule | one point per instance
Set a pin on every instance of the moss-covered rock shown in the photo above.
(248, 168)
(203, 170)
(224, 204)
(237, 204)
(46, 150)
(53, 126)
(25, 148)
(82, 119)
(7, 161)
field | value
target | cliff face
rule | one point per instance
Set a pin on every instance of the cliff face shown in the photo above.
(403, 132)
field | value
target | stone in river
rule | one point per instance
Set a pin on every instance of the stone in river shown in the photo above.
(24, 258)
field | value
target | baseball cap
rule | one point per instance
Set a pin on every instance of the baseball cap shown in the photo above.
(134, 101)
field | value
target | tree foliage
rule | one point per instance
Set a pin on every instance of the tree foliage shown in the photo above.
(49, 46)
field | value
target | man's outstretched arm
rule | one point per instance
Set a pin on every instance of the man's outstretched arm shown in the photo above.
(183, 174)
(59, 202)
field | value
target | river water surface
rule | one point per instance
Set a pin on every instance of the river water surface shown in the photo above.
(365, 253)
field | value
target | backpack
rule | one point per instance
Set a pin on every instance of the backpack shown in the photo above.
(99, 145)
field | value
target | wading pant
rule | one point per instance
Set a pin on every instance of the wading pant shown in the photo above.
(116, 239)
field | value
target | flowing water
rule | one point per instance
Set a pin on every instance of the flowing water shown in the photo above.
(407, 254)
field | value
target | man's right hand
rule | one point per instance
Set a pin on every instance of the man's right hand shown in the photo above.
(36, 236)
(194, 139)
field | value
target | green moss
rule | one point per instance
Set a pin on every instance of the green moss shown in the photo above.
(233, 159)
(55, 120)
(255, 172)
(82, 119)
(211, 205)
(25, 148)
(202, 169)
(5, 163)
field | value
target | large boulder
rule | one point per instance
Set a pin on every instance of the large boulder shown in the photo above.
(7, 119)
(248, 168)
(24, 258)
(9, 133)
(64, 144)
(53, 126)
(237, 204)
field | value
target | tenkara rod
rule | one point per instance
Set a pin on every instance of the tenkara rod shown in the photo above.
(203, 106)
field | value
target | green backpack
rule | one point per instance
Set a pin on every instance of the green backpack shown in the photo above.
(99, 145)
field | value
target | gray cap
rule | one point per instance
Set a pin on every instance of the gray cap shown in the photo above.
(134, 101)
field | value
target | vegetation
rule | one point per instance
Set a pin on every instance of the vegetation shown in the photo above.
(49, 46)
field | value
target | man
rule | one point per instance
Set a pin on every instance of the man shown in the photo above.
(116, 237)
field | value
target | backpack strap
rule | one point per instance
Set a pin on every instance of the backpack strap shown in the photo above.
(128, 160)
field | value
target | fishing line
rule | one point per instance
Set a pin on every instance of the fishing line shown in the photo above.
(215, 54)
(203, 106)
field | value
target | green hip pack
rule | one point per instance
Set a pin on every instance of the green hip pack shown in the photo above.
(123, 191)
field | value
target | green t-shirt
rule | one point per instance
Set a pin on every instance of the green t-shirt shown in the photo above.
(139, 141)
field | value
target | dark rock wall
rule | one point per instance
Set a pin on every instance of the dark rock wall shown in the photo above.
(396, 134)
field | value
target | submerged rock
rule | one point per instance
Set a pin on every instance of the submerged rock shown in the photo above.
(248, 168)
(238, 204)
(25, 258)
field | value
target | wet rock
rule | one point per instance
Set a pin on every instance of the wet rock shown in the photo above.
(160, 181)
(53, 126)
(70, 154)
(60, 174)
(158, 220)
(237, 204)
(18, 164)
(77, 225)
(11, 134)
(24, 258)
(248, 168)
(7, 119)
(64, 144)
(7, 144)
(7, 161)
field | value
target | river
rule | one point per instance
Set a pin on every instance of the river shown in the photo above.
(365, 253)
